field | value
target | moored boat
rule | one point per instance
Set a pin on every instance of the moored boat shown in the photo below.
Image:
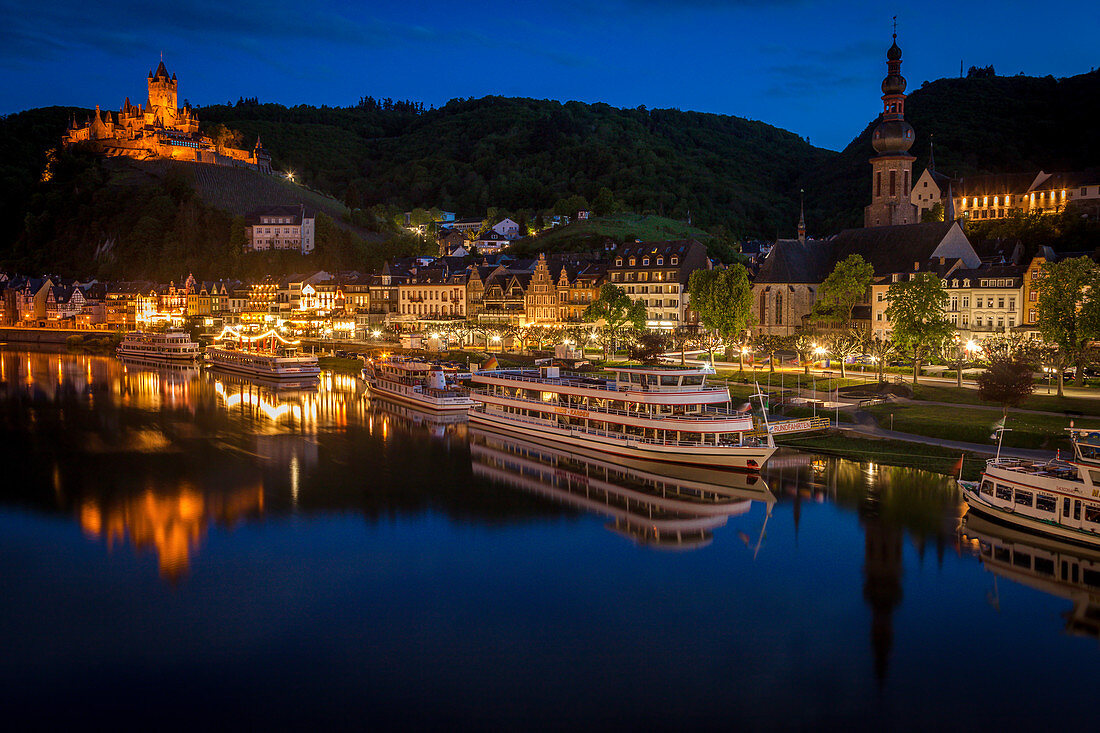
(652, 413)
(417, 382)
(172, 347)
(1056, 498)
(267, 356)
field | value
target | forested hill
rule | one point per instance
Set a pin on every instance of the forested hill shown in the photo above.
(524, 155)
(982, 124)
(515, 153)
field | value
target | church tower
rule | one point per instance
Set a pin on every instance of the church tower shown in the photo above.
(892, 168)
(162, 96)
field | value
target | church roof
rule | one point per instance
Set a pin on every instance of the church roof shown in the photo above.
(792, 261)
(161, 71)
(893, 248)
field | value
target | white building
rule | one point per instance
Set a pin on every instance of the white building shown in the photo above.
(281, 227)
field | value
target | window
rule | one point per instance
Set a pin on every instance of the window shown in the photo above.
(893, 182)
(1004, 492)
(660, 260)
(966, 283)
(779, 309)
(632, 261)
(674, 260)
(878, 183)
(1046, 503)
(1033, 296)
(618, 262)
(1012, 304)
(1032, 316)
(645, 262)
(987, 488)
(1000, 302)
(1023, 498)
(1092, 514)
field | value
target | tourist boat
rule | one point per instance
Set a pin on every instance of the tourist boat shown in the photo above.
(417, 382)
(1057, 498)
(652, 413)
(173, 347)
(1046, 564)
(651, 502)
(266, 356)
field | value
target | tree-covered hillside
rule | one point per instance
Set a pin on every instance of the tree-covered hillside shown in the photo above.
(982, 124)
(526, 154)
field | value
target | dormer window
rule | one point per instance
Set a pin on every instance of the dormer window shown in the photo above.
(632, 262)
(645, 262)
(966, 283)
(954, 283)
(618, 262)
(674, 260)
(660, 260)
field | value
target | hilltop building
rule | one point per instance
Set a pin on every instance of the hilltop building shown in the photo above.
(892, 168)
(281, 227)
(997, 196)
(159, 129)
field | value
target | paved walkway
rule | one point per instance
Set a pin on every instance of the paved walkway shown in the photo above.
(866, 425)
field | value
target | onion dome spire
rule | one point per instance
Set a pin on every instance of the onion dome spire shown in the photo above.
(893, 135)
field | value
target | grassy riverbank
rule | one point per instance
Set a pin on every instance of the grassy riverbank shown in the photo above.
(892, 452)
(1038, 401)
(1027, 430)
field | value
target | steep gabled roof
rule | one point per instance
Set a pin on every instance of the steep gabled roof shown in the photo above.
(792, 261)
(894, 248)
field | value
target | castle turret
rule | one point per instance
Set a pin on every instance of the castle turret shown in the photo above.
(892, 168)
(162, 94)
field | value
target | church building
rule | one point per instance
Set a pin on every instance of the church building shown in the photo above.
(159, 129)
(892, 168)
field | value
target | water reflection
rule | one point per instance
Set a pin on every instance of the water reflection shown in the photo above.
(652, 503)
(1056, 568)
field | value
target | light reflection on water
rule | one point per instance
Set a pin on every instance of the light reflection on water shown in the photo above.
(231, 488)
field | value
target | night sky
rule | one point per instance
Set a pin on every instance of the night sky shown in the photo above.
(810, 67)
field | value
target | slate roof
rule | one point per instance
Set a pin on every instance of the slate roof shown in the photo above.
(791, 261)
(993, 184)
(890, 249)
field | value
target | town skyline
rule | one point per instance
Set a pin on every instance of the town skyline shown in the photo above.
(823, 60)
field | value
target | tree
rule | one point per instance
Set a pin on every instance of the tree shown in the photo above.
(723, 300)
(681, 337)
(1069, 310)
(933, 214)
(844, 289)
(768, 344)
(845, 346)
(916, 312)
(605, 203)
(617, 310)
(1007, 381)
(353, 197)
(802, 345)
(881, 349)
(649, 347)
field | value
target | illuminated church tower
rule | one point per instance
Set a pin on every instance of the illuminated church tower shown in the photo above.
(892, 168)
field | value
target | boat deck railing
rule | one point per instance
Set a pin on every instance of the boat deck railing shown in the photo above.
(586, 381)
(707, 414)
(626, 437)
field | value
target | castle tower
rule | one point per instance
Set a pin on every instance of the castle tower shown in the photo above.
(162, 95)
(892, 168)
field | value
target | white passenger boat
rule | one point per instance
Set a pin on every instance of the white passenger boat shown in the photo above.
(267, 356)
(652, 413)
(1056, 498)
(417, 382)
(173, 347)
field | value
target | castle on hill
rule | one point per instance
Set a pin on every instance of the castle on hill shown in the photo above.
(159, 130)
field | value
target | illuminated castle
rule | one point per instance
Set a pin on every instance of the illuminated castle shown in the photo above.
(159, 130)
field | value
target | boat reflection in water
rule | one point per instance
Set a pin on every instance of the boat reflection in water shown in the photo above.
(437, 424)
(666, 506)
(1048, 565)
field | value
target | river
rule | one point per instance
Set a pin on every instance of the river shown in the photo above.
(179, 549)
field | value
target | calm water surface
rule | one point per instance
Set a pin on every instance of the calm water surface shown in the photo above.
(179, 549)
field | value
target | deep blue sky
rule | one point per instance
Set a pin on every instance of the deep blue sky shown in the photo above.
(810, 67)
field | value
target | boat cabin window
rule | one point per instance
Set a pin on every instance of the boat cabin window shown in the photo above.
(1023, 498)
(1021, 559)
(1044, 566)
(987, 488)
(669, 381)
(1090, 577)
(1092, 514)
(1004, 492)
(693, 380)
(1046, 503)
